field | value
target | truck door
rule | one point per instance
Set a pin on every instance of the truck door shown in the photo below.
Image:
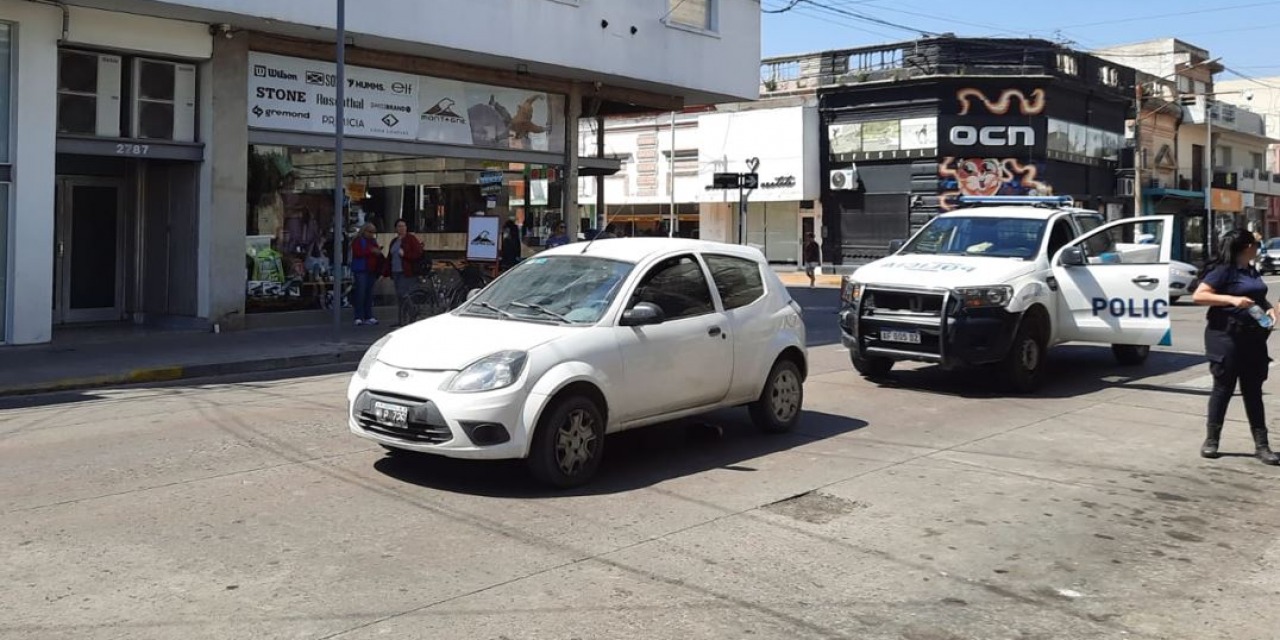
(1113, 283)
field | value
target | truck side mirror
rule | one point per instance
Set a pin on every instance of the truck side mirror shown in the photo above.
(1072, 257)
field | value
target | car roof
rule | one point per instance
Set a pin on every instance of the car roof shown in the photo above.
(636, 250)
(1012, 211)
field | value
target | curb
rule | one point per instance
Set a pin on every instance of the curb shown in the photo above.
(178, 372)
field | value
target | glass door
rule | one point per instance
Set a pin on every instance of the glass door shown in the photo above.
(87, 250)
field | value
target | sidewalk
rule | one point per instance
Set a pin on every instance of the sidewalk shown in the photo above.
(100, 359)
(799, 279)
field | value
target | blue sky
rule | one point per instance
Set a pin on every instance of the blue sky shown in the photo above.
(1246, 33)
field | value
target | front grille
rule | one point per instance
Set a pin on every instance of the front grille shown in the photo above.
(425, 424)
(900, 302)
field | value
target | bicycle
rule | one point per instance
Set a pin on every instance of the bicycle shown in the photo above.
(436, 293)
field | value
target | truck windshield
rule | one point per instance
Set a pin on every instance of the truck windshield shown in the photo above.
(979, 236)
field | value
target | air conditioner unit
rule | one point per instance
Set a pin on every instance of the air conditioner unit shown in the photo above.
(843, 180)
(88, 94)
(164, 100)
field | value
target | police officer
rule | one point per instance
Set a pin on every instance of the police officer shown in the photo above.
(1234, 341)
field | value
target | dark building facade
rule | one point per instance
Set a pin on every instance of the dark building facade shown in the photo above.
(908, 127)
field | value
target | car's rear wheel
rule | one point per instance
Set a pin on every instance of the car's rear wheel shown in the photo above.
(777, 410)
(1024, 363)
(1130, 355)
(568, 443)
(872, 367)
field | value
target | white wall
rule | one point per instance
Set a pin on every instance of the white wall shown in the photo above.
(116, 30)
(544, 34)
(784, 139)
(624, 139)
(31, 205)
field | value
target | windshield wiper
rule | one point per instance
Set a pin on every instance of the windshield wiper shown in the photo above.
(506, 314)
(541, 309)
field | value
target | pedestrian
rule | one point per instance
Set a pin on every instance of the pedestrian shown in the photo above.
(511, 244)
(366, 267)
(812, 258)
(1235, 342)
(559, 238)
(404, 255)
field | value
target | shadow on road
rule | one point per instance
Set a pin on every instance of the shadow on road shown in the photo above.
(632, 459)
(1073, 370)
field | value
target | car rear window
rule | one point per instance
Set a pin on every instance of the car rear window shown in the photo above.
(737, 279)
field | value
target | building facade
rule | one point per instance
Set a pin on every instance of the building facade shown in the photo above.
(1201, 151)
(172, 165)
(907, 128)
(666, 170)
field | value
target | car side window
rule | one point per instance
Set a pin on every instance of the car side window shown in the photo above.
(678, 286)
(737, 279)
(1061, 236)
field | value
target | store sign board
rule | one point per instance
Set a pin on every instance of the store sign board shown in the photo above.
(482, 238)
(296, 94)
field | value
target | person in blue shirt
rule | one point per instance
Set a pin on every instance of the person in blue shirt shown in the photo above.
(1234, 341)
(557, 239)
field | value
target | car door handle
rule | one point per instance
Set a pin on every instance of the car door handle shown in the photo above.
(714, 332)
(1146, 280)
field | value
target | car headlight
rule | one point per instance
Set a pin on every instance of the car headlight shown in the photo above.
(371, 356)
(499, 370)
(850, 291)
(978, 297)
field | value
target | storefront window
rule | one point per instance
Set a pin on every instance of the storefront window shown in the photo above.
(290, 213)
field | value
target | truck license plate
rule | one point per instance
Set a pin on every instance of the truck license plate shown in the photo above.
(908, 337)
(391, 414)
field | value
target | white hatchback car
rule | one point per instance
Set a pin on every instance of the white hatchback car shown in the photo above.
(584, 340)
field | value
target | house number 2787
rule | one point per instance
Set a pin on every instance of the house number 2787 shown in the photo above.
(132, 149)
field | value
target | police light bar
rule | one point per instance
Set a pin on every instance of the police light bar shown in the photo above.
(1062, 201)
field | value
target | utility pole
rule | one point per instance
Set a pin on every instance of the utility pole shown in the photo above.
(744, 190)
(339, 186)
(671, 179)
(1137, 149)
(1212, 232)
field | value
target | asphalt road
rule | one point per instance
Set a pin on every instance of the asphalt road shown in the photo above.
(927, 508)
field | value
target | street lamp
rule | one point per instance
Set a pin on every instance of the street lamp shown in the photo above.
(339, 188)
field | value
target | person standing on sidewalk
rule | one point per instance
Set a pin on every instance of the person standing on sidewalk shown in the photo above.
(403, 256)
(1234, 341)
(812, 258)
(366, 267)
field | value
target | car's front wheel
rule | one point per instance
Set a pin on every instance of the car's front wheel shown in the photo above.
(1130, 355)
(777, 410)
(568, 443)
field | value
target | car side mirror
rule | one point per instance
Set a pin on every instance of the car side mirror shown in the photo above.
(1073, 257)
(896, 245)
(472, 294)
(644, 313)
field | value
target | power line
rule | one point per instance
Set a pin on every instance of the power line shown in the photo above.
(872, 19)
(1251, 79)
(814, 13)
(1169, 15)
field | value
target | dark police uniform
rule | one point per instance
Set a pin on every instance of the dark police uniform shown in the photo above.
(1236, 346)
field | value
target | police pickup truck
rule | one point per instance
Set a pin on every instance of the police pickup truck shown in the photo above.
(1000, 280)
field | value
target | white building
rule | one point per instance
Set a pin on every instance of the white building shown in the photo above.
(170, 162)
(781, 134)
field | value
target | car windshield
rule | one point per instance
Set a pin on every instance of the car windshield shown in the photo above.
(1272, 244)
(556, 289)
(979, 236)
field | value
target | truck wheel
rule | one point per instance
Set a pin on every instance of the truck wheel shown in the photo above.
(1131, 355)
(1025, 361)
(871, 367)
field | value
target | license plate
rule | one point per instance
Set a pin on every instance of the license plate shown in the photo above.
(908, 337)
(391, 414)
